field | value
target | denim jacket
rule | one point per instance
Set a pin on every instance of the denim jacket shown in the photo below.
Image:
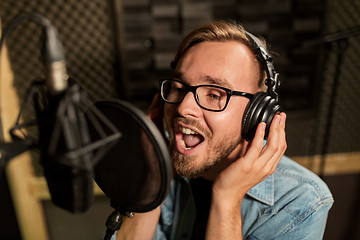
(293, 203)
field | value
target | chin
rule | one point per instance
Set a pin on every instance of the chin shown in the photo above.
(193, 166)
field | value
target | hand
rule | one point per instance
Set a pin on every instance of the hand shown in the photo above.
(258, 163)
(231, 185)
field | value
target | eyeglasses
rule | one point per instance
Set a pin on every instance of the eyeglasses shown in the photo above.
(209, 97)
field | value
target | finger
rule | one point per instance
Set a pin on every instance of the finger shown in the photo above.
(273, 138)
(282, 135)
(282, 145)
(276, 144)
(283, 120)
(257, 143)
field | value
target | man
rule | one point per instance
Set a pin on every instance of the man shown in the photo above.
(226, 187)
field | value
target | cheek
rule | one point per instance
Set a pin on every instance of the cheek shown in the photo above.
(227, 123)
(230, 120)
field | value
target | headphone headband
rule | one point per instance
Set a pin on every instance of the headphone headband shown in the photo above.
(265, 105)
(272, 81)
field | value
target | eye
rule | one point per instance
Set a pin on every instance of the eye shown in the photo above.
(214, 96)
(178, 90)
(177, 87)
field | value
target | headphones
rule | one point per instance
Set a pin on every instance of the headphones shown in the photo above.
(264, 105)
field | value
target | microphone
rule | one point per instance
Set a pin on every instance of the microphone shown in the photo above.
(54, 60)
(63, 132)
(111, 142)
(67, 152)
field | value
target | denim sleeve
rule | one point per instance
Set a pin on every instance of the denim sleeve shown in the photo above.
(164, 227)
(310, 228)
(159, 234)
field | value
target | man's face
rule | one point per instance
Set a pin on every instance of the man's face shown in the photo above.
(203, 142)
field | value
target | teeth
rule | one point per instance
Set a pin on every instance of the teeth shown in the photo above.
(187, 131)
(182, 144)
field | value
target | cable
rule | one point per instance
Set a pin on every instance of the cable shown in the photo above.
(54, 60)
(20, 19)
(53, 53)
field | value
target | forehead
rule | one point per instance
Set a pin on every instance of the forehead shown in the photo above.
(229, 64)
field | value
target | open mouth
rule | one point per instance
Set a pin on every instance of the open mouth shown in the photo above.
(190, 139)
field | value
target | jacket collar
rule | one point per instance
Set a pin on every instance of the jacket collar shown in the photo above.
(264, 191)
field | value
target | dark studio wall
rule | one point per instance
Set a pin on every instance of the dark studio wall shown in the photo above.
(121, 48)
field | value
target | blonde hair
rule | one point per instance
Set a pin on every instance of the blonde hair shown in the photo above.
(219, 31)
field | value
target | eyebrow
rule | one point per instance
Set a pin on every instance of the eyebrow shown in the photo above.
(217, 81)
(206, 79)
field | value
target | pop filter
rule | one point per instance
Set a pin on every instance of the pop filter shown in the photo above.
(136, 173)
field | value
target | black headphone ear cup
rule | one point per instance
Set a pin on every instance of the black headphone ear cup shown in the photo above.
(251, 111)
(262, 108)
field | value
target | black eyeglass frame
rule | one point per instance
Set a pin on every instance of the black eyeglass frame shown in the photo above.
(193, 89)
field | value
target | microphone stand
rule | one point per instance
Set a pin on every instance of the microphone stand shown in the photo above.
(114, 221)
(19, 144)
(12, 149)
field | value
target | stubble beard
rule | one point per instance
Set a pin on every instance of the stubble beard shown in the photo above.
(197, 166)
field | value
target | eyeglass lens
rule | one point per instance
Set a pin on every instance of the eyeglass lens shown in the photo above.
(208, 97)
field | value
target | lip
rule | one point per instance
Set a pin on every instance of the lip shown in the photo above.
(179, 136)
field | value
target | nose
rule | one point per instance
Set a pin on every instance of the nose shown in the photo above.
(189, 107)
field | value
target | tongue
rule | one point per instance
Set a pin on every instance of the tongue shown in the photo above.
(192, 140)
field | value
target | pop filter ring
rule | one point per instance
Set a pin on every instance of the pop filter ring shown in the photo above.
(160, 148)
